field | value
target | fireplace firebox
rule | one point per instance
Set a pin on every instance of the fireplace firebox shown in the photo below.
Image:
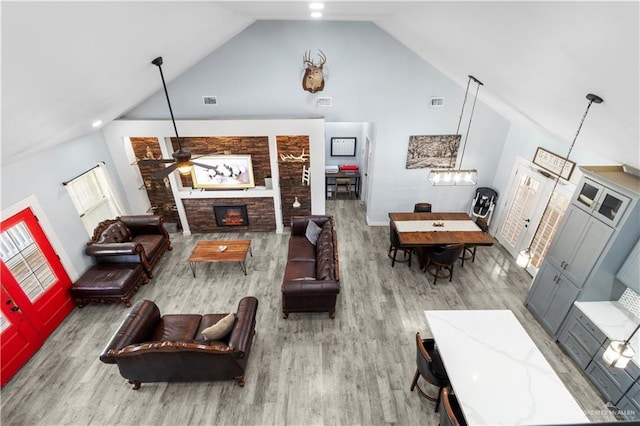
(231, 215)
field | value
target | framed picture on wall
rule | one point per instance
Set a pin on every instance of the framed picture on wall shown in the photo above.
(343, 147)
(223, 172)
(553, 163)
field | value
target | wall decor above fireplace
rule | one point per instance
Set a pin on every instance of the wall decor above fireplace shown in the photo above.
(224, 172)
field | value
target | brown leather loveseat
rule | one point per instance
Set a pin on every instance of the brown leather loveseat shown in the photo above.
(139, 239)
(148, 347)
(311, 277)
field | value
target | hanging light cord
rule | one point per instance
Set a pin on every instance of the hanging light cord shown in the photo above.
(592, 98)
(473, 107)
(464, 102)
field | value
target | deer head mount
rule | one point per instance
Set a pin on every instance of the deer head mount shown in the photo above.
(313, 80)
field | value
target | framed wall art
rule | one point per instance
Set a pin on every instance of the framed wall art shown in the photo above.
(343, 147)
(554, 163)
(223, 172)
(432, 151)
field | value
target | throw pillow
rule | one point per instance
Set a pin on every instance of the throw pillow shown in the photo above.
(220, 329)
(312, 232)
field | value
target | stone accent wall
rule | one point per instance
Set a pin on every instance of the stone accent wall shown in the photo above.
(291, 177)
(158, 191)
(255, 146)
(201, 219)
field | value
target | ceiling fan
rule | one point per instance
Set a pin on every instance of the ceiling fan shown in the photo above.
(181, 158)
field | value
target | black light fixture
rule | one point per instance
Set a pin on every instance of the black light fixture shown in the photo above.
(524, 257)
(181, 156)
(452, 176)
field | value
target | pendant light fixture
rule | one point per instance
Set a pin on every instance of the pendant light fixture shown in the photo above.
(453, 176)
(619, 353)
(524, 257)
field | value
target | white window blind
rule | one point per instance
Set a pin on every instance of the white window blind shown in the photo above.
(93, 197)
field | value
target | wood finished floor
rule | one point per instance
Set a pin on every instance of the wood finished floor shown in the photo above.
(306, 370)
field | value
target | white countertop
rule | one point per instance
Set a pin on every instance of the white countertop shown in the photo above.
(615, 321)
(497, 373)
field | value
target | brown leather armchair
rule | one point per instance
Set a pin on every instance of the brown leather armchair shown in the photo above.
(148, 347)
(139, 239)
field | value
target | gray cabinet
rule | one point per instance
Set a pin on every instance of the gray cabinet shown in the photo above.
(551, 297)
(585, 343)
(629, 273)
(600, 201)
(578, 244)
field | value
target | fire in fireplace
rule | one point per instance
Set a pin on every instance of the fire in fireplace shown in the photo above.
(231, 215)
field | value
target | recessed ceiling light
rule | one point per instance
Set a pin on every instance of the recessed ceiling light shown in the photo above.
(96, 123)
(316, 6)
(316, 15)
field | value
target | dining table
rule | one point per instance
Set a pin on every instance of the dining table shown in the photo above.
(497, 372)
(438, 229)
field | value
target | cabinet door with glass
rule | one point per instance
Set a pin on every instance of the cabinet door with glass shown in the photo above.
(600, 201)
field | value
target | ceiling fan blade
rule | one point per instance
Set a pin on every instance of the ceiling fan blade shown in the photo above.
(148, 161)
(161, 174)
(204, 166)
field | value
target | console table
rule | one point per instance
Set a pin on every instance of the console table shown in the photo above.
(329, 180)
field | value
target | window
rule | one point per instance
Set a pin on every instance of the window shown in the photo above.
(93, 197)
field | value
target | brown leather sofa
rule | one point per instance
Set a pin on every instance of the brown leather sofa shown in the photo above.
(148, 347)
(139, 239)
(311, 277)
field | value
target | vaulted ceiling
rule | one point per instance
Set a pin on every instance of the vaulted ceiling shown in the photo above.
(67, 64)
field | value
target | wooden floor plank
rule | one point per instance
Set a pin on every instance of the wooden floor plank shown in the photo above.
(305, 370)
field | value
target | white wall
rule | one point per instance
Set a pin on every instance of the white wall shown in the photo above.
(342, 130)
(371, 78)
(38, 180)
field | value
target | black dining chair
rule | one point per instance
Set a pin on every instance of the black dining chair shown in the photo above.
(395, 246)
(440, 263)
(422, 207)
(451, 414)
(430, 368)
(469, 252)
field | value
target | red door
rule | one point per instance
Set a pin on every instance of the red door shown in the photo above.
(35, 296)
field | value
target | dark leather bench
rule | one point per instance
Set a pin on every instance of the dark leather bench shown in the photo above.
(109, 283)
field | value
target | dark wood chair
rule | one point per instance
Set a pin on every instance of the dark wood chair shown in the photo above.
(440, 263)
(430, 368)
(470, 250)
(422, 207)
(451, 414)
(395, 246)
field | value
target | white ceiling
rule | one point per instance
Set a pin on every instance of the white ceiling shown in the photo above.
(66, 64)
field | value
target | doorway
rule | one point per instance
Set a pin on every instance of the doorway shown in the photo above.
(531, 214)
(35, 297)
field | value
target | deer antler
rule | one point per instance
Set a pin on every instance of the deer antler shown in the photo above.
(307, 58)
(323, 58)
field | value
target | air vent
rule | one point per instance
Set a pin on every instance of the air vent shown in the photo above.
(210, 100)
(437, 102)
(324, 102)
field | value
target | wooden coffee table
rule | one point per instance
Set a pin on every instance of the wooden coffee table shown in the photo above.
(209, 251)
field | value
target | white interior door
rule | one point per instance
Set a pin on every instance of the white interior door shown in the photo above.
(525, 197)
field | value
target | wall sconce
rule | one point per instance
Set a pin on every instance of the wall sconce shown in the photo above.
(618, 354)
(458, 177)
(524, 257)
(296, 203)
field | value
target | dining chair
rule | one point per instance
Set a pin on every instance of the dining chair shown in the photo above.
(451, 414)
(343, 186)
(443, 261)
(470, 249)
(422, 208)
(430, 368)
(395, 246)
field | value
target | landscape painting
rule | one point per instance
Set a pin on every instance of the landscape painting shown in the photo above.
(432, 151)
